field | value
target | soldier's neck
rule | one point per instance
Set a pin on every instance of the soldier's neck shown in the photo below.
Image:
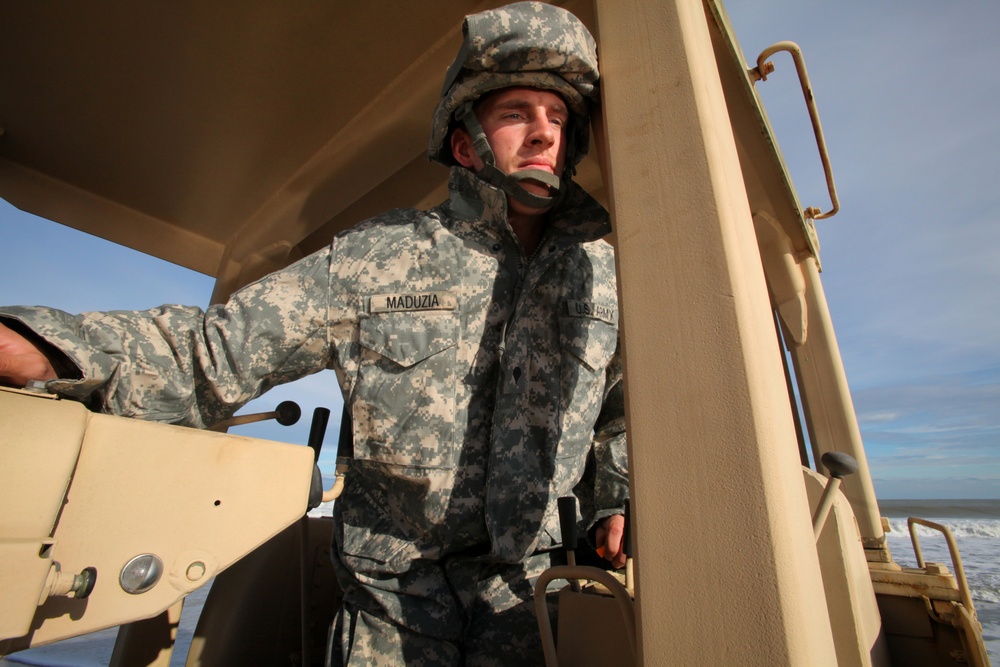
(528, 229)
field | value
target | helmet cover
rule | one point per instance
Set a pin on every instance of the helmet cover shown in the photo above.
(528, 44)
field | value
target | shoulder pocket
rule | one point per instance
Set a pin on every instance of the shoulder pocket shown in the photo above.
(591, 341)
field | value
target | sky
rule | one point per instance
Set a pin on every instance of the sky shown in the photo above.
(909, 99)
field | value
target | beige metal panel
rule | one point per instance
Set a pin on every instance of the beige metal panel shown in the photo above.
(223, 138)
(854, 613)
(388, 132)
(37, 455)
(797, 291)
(419, 182)
(198, 500)
(26, 567)
(39, 445)
(790, 254)
(198, 115)
(723, 530)
(375, 161)
(829, 409)
(41, 195)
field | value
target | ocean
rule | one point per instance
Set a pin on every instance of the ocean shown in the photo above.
(975, 524)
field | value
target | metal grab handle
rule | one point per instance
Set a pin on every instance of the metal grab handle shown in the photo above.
(340, 477)
(625, 604)
(760, 73)
(956, 557)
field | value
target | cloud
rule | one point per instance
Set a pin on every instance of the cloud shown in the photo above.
(949, 402)
(876, 417)
(926, 487)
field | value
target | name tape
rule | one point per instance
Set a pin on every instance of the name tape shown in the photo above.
(389, 303)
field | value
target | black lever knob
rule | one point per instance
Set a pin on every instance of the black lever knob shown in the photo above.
(287, 413)
(839, 464)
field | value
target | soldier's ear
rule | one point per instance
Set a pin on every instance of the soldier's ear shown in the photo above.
(462, 149)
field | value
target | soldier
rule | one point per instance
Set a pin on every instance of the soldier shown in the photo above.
(475, 343)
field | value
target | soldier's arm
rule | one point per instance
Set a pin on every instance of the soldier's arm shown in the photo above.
(183, 365)
(611, 465)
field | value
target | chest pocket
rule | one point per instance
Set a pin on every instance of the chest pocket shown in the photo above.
(404, 401)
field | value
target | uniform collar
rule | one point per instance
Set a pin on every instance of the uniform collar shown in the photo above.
(473, 199)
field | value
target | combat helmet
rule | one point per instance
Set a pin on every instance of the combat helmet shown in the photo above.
(524, 44)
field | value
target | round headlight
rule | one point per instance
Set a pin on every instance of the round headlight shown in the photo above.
(141, 573)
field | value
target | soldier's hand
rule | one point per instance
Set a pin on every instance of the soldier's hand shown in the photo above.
(609, 536)
(21, 361)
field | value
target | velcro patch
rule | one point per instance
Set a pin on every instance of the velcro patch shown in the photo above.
(595, 311)
(408, 301)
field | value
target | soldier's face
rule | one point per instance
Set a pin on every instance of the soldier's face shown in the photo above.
(526, 129)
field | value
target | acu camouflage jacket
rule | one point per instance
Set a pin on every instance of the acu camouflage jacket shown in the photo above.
(483, 384)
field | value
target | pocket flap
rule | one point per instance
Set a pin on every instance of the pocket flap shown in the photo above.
(591, 341)
(408, 337)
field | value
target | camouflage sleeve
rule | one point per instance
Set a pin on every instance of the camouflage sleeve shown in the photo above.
(610, 452)
(182, 365)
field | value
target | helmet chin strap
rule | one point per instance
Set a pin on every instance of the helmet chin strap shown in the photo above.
(509, 183)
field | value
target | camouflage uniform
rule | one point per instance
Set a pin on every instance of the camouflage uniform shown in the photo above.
(483, 385)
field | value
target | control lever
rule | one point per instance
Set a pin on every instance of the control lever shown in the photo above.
(627, 547)
(286, 414)
(571, 601)
(567, 526)
(840, 465)
(317, 431)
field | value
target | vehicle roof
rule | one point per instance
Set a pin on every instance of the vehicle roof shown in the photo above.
(173, 127)
(231, 139)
